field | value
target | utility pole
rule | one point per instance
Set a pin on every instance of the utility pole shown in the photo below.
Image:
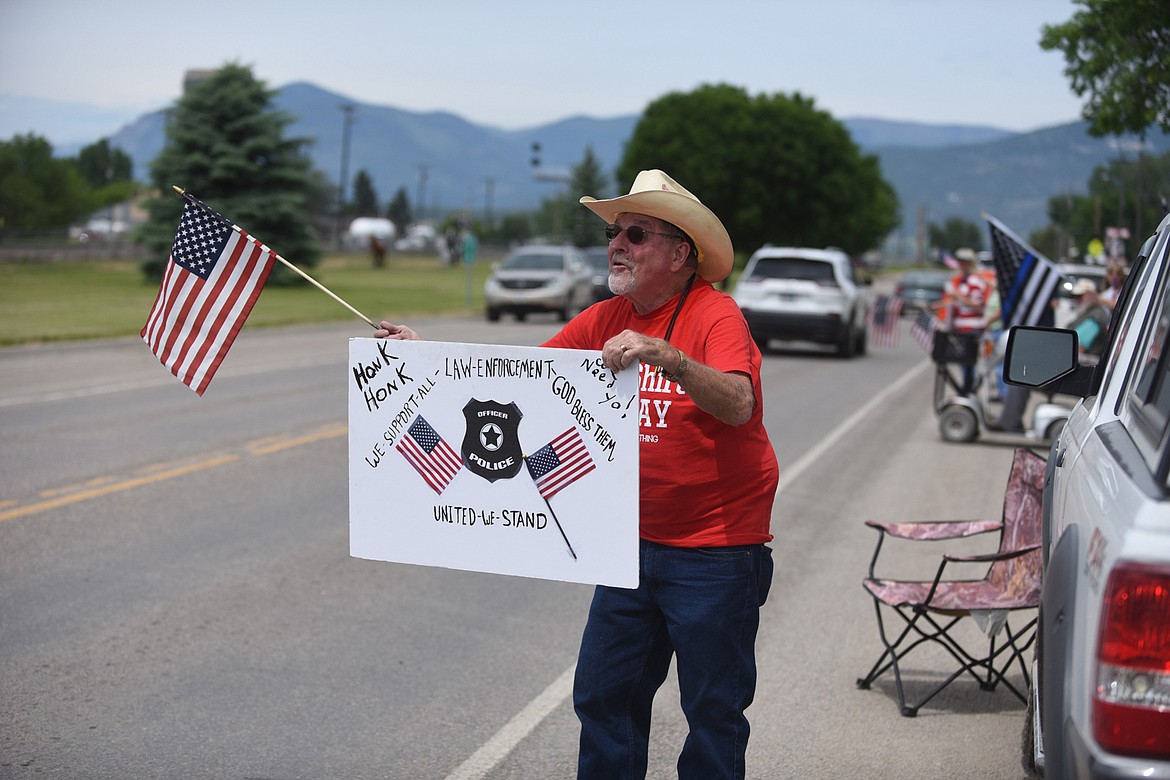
(346, 123)
(556, 176)
(422, 192)
(920, 237)
(489, 188)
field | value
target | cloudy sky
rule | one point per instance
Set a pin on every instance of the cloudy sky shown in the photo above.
(519, 63)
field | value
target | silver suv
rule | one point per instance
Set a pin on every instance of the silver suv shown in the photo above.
(540, 279)
(804, 294)
(1101, 698)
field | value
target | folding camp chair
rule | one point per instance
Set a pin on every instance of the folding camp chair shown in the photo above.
(930, 609)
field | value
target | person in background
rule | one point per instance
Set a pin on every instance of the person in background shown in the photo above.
(1091, 322)
(470, 246)
(1115, 274)
(967, 293)
(377, 252)
(707, 481)
(995, 340)
(1015, 400)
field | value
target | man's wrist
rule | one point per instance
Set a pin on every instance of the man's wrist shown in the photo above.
(682, 367)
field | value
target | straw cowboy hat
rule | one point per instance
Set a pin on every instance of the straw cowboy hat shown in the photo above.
(966, 255)
(657, 195)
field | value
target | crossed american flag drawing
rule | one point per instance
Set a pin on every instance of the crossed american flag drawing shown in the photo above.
(553, 467)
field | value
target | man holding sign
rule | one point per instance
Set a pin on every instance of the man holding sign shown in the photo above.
(708, 478)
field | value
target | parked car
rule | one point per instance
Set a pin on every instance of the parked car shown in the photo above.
(804, 294)
(598, 259)
(419, 237)
(921, 289)
(539, 279)
(1100, 705)
(1066, 304)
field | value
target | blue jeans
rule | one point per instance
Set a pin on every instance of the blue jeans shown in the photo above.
(702, 605)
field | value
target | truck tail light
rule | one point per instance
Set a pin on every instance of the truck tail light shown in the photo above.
(1131, 711)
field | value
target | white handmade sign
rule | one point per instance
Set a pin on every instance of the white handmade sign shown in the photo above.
(511, 460)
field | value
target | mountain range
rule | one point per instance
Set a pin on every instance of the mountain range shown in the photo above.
(446, 163)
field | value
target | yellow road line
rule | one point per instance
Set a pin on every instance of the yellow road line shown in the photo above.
(329, 432)
(104, 486)
(115, 487)
(67, 489)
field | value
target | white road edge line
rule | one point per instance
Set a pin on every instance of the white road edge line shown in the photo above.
(501, 744)
(789, 475)
(496, 749)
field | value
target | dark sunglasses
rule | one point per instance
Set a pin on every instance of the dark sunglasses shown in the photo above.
(635, 234)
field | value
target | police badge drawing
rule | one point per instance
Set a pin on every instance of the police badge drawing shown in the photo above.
(501, 459)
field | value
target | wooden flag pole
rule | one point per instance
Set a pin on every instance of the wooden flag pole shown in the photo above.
(298, 271)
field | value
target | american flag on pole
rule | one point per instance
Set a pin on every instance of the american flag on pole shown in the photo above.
(213, 277)
(1027, 279)
(923, 328)
(884, 321)
(559, 463)
(431, 457)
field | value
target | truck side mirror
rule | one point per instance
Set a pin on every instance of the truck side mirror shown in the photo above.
(1037, 356)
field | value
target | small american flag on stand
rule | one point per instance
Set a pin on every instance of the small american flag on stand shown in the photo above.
(213, 277)
(923, 328)
(433, 458)
(559, 463)
(884, 321)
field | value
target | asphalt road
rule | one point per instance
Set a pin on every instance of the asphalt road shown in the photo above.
(177, 598)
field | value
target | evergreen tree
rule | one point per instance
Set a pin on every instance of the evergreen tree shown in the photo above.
(226, 146)
(587, 179)
(365, 197)
(398, 211)
(561, 218)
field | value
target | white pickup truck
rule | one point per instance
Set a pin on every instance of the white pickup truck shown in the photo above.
(1100, 704)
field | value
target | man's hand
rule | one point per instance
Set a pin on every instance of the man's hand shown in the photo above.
(727, 396)
(629, 347)
(388, 330)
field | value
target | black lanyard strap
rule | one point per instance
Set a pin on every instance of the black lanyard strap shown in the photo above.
(678, 307)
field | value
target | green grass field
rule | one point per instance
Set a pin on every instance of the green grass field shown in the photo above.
(56, 301)
(109, 298)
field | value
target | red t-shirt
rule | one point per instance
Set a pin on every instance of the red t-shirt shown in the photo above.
(703, 483)
(967, 317)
